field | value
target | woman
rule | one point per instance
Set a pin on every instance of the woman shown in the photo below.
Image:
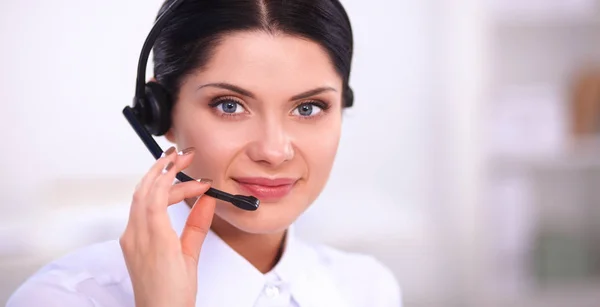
(259, 89)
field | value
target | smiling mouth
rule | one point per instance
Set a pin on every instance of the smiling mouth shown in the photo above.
(265, 189)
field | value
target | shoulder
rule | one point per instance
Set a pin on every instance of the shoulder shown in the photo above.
(85, 277)
(361, 273)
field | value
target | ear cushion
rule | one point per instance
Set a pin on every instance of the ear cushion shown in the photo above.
(348, 97)
(158, 106)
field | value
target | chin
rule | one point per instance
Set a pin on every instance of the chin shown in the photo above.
(268, 218)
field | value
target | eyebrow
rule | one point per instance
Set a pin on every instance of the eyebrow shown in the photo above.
(244, 92)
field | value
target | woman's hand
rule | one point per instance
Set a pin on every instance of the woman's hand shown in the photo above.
(162, 266)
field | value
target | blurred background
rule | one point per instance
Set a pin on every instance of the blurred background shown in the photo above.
(470, 164)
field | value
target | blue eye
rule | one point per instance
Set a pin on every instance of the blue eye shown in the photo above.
(229, 106)
(307, 109)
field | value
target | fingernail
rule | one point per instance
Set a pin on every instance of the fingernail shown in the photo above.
(186, 151)
(168, 167)
(204, 180)
(168, 152)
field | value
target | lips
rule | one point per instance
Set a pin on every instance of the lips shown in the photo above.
(266, 189)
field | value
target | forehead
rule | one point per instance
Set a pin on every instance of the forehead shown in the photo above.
(262, 61)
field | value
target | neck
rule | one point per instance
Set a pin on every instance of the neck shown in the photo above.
(261, 250)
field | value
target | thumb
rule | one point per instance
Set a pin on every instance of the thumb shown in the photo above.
(197, 227)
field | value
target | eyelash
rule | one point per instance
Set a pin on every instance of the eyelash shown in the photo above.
(318, 103)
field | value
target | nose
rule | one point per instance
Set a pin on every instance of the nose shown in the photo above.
(272, 145)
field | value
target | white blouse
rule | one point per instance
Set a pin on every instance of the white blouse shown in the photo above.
(306, 276)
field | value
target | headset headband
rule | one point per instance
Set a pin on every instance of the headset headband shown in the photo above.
(148, 44)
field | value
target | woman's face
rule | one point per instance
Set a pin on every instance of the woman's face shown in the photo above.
(265, 117)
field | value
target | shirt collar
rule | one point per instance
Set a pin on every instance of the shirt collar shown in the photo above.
(225, 278)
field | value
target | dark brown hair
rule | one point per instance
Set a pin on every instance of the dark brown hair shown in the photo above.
(189, 38)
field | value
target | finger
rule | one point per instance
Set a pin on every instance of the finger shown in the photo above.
(179, 192)
(148, 179)
(196, 228)
(159, 193)
(184, 190)
(137, 214)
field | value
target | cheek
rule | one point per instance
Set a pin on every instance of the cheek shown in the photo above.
(213, 154)
(215, 147)
(319, 148)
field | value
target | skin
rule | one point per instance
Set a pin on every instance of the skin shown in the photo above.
(265, 134)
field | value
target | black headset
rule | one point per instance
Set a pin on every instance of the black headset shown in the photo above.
(151, 113)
